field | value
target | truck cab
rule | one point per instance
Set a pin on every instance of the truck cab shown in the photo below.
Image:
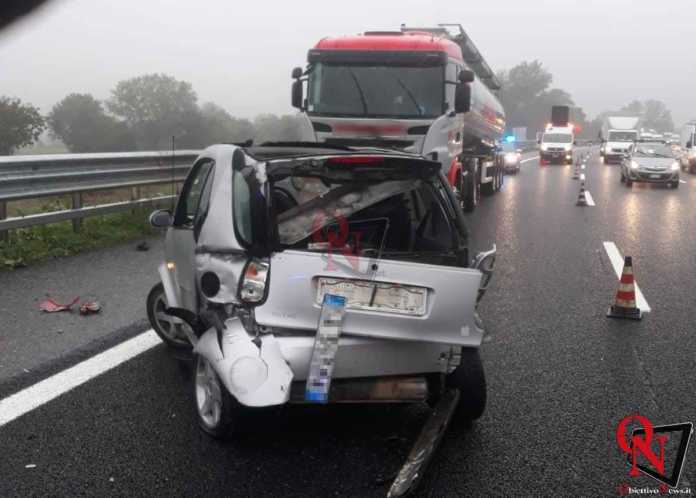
(556, 145)
(411, 90)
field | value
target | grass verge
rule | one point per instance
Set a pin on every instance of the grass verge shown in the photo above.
(30, 245)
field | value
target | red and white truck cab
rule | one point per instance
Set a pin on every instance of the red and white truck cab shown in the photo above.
(423, 90)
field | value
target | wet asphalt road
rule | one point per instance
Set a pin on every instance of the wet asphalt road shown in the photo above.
(560, 377)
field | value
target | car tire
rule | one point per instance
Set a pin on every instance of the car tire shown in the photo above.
(171, 333)
(469, 378)
(217, 412)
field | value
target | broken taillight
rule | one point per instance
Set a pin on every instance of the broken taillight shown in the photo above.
(252, 289)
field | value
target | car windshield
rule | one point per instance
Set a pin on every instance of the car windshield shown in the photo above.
(622, 136)
(557, 138)
(653, 150)
(379, 91)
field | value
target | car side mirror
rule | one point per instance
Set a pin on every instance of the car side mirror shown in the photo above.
(462, 98)
(485, 262)
(296, 94)
(466, 76)
(162, 218)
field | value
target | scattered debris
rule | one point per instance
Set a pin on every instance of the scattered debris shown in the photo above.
(51, 306)
(90, 307)
(30, 466)
(143, 246)
(111, 479)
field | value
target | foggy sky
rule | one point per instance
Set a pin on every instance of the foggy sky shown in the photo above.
(239, 53)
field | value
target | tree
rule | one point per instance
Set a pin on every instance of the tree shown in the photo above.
(221, 127)
(157, 107)
(80, 122)
(656, 116)
(270, 127)
(20, 124)
(527, 98)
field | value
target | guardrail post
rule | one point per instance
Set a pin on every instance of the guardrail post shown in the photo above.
(135, 195)
(3, 215)
(76, 204)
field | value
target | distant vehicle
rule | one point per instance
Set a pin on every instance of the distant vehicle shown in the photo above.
(618, 134)
(512, 157)
(650, 162)
(422, 90)
(687, 144)
(556, 145)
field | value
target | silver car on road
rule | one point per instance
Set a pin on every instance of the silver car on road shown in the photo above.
(651, 163)
(302, 273)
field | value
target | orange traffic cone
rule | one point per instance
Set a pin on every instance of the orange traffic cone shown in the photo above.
(582, 200)
(625, 303)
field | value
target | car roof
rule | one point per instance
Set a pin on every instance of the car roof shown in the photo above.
(285, 150)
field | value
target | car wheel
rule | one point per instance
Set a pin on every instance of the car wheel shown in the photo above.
(218, 413)
(171, 333)
(470, 379)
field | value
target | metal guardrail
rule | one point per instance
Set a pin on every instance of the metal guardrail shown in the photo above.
(33, 177)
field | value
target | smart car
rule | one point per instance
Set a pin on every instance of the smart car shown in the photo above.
(303, 273)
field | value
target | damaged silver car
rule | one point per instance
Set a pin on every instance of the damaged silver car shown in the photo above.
(299, 273)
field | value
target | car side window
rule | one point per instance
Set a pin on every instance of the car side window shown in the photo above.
(192, 193)
(242, 208)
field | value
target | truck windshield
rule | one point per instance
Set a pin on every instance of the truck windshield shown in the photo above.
(376, 91)
(622, 136)
(557, 138)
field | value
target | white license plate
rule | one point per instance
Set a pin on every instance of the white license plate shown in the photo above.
(375, 296)
(654, 176)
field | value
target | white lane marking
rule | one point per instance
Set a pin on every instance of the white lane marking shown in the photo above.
(682, 181)
(42, 392)
(617, 261)
(582, 176)
(583, 166)
(588, 198)
(529, 159)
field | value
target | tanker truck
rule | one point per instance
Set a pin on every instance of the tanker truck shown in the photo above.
(422, 90)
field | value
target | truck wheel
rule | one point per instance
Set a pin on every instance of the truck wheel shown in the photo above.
(471, 187)
(489, 188)
(171, 333)
(218, 413)
(470, 379)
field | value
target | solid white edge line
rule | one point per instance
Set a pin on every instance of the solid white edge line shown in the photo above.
(617, 261)
(42, 392)
(588, 198)
(529, 159)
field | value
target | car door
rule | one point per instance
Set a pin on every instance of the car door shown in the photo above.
(181, 237)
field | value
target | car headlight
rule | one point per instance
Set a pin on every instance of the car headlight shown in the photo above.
(675, 166)
(634, 165)
(510, 158)
(544, 147)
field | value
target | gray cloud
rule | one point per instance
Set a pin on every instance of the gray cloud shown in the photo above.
(239, 54)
